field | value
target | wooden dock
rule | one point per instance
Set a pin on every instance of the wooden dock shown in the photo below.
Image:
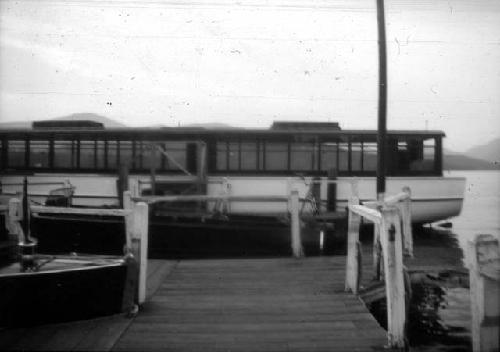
(274, 304)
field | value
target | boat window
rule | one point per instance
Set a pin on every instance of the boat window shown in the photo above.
(429, 154)
(248, 156)
(39, 154)
(87, 154)
(328, 156)
(356, 156)
(369, 156)
(233, 156)
(2, 151)
(16, 153)
(126, 153)
(176, 152)
(150, 156)
(302, 157)
(112, 155)
(221, 156)
(65, 154)
(100, 154)
(343, 151)
(276, 155)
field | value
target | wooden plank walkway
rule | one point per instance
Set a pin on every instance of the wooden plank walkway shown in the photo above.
(275, 304)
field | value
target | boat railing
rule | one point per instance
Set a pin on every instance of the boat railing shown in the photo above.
(387, 217)
(136, 229)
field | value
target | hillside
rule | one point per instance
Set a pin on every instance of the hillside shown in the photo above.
(455, 161)
(489, 151)
(78, 116)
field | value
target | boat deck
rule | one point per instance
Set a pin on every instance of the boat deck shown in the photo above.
(274, 304)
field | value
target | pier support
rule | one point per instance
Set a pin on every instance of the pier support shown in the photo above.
(483, 257)
(392, 248)
(353, 265)
(136, 224)
(295, 225)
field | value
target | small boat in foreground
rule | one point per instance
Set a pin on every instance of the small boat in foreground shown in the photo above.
(65, 288)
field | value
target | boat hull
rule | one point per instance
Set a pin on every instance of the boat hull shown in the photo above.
(433, 198)
(64, 290)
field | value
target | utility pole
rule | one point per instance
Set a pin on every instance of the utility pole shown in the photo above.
(382, 102)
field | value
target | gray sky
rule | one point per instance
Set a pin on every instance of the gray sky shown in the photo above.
(248, 63)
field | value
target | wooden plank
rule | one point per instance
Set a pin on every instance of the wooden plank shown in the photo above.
(250, 305)
(270, 304)
(82, 211)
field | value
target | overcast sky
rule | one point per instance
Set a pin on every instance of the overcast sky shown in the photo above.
(247, 63)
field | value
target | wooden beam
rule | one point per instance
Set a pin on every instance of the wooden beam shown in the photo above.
(81, 211)
(366, 212)
(483, 255)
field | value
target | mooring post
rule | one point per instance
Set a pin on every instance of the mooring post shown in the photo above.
(483, 256)
(141, 223)
(295, 225)
(353, 265)
(406, 217)
(128, 204)
(392, 251)
(13, 218)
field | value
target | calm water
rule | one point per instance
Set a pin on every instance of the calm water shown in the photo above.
(481, 210)
(440, 306)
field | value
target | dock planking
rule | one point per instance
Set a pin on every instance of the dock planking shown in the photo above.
(265, 304)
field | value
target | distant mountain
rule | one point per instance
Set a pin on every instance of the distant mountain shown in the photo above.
(78, 116)
(489, 151)
(458, 161)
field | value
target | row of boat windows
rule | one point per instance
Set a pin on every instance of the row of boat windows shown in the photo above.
(403, 155)
(93, 155)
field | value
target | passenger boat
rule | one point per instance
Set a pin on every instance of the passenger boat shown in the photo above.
(234, 161)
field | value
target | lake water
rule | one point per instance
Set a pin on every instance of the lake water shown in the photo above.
(440, 307)
(481, 210)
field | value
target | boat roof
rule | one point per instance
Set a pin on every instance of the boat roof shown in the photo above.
(279, 128)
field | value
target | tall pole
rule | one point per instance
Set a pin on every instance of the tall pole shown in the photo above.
(382, 101)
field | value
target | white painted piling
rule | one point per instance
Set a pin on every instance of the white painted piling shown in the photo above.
(295, 225)
(483, 259)
(353, 264)
(392, 249)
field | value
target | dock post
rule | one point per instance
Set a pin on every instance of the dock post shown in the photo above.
(406, 217)
(295, 225)
(13, 218)
(483, 259)
(136, 227)
(353, 267)
(392, 249)
(141, 223)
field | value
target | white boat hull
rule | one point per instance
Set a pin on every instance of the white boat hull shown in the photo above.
(433, 198)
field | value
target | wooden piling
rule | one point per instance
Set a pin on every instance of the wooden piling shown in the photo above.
(141, 223)
(295, 225)
(136, 228)
(353, 265)
(122, 182)
(391, 241)
(13, 219)
(483, 257)
(406, 219)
